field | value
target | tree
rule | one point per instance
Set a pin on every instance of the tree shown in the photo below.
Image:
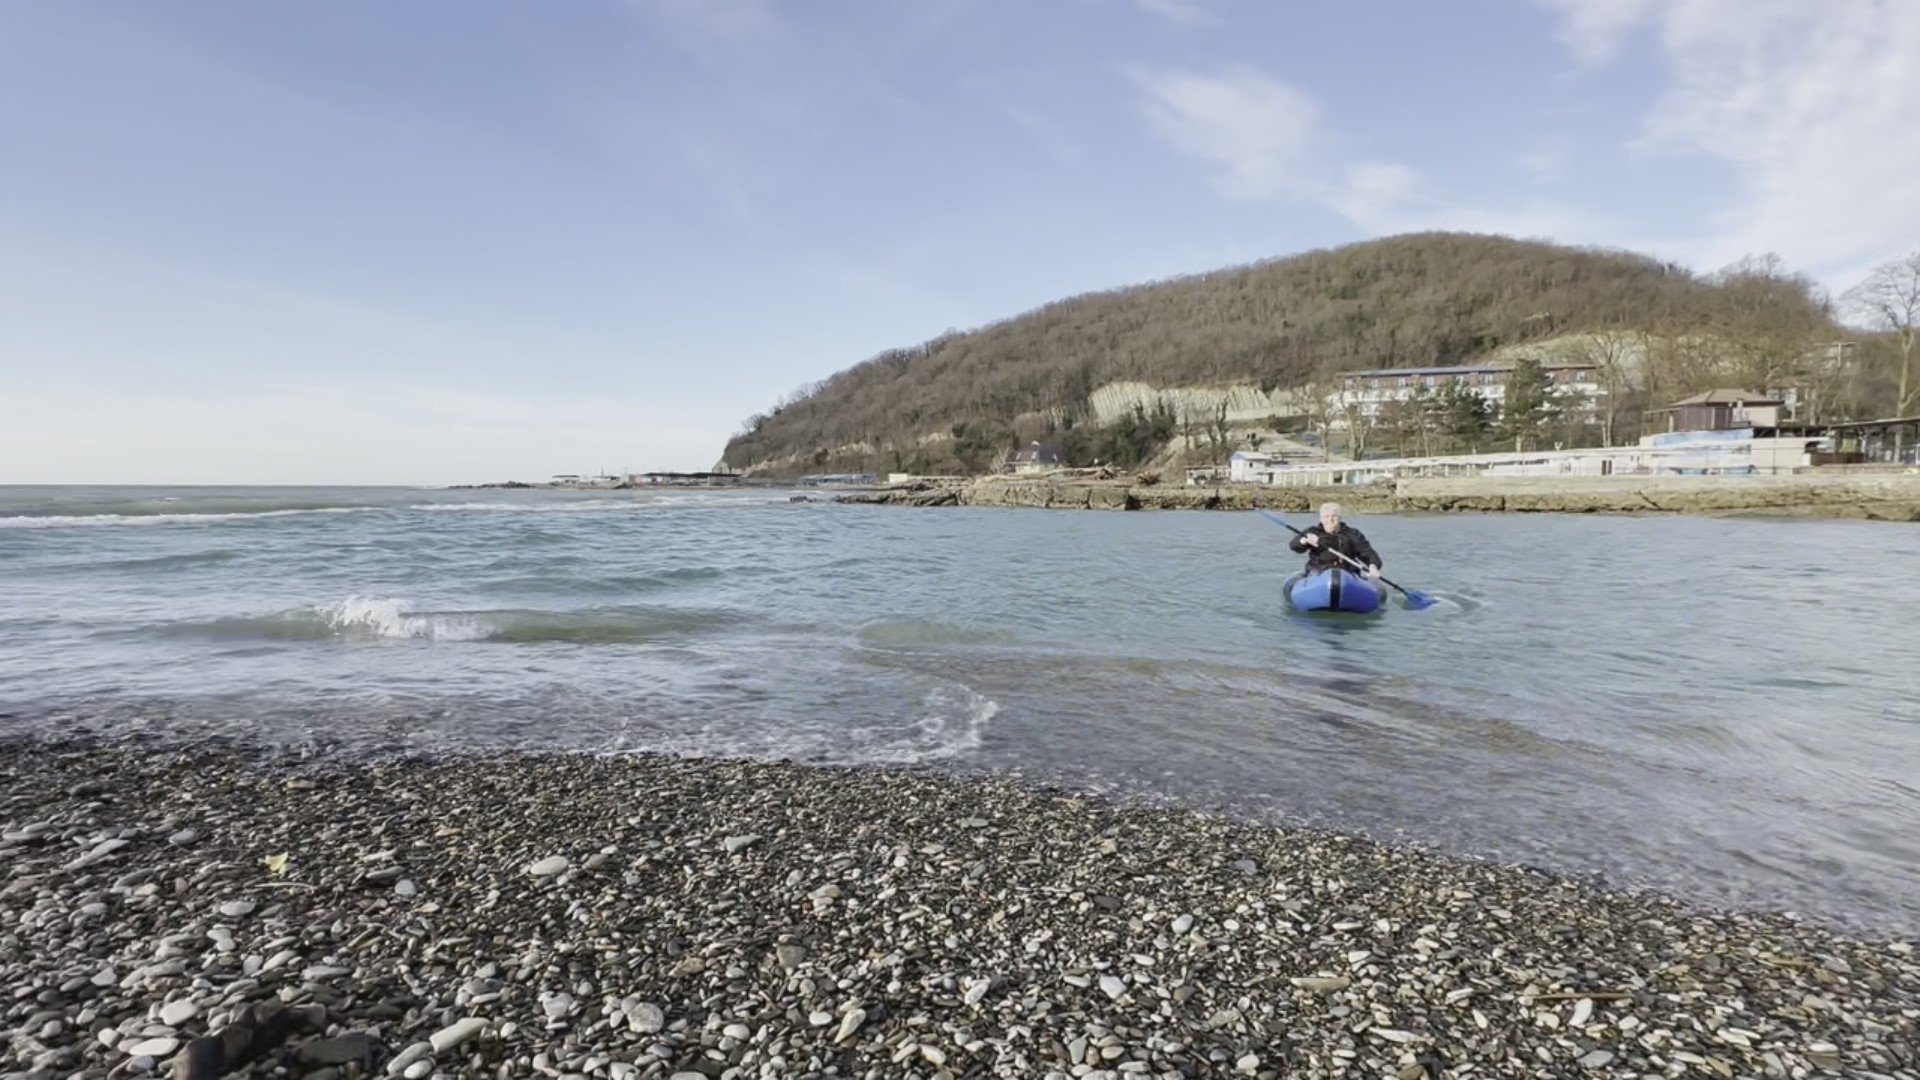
(1353, 420)
(1463, 414)
(1409, 421)
(1217, 433)
(1769, 322)
(1316, 400)
(1530, 403)
(1613, 354)
(1889, 300)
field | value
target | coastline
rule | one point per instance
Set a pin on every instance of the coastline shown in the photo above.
(1869, 496)
(647, 916)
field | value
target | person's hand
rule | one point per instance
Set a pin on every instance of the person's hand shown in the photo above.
(1310, 540)
(1373, 573)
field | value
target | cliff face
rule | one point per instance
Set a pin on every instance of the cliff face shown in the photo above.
(1881, 498)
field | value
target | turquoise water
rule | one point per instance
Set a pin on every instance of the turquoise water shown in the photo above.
(1728, 710)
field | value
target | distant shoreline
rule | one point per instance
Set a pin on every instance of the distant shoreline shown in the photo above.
(1869, 496)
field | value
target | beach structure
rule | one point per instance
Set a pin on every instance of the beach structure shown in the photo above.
(1036, 457)
(1716, 433)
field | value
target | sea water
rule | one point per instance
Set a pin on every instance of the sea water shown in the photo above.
(1727, 710)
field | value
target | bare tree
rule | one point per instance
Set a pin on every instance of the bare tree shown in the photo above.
(1769, 321)
(1217, 431)
(1318, 405)
(1889, 299)
(1614, 353)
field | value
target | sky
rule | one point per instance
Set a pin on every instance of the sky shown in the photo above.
(459, 241)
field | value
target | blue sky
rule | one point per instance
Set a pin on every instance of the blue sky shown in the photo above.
(463, 240)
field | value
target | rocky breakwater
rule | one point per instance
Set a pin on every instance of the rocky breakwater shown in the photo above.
(1121, 493)
(205, 912)
(1882, 497)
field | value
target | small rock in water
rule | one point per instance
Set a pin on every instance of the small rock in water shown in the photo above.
(1595, 1059)
(549, 866)
(237, 909)
(736, 844)
(1183, 924)
(406, 888)
(175, 1013)
(1114, 986)
(184, 838)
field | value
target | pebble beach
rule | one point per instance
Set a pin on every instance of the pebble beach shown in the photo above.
(215, 910)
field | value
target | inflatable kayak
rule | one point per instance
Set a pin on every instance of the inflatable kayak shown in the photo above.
(1332, 590)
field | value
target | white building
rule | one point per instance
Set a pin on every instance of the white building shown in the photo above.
(1365, 393)
(1250, 467)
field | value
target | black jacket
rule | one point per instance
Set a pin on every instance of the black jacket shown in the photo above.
(1348, 541)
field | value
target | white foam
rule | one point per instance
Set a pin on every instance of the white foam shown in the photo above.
(384, 618)
(954, 724)
(64, 521)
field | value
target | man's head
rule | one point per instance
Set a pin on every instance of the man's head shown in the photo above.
(1330, 516)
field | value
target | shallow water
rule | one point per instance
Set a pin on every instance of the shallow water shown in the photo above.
(1728, 710)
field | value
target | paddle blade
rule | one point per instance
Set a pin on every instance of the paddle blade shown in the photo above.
(1417, 599)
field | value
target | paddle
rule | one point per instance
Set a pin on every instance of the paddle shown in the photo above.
(1415, 598)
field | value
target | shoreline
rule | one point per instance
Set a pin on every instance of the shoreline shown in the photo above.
(646, 915)
(1873, 497)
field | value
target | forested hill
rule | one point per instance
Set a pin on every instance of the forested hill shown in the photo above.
(956, 402)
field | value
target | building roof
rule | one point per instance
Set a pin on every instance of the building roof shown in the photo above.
(1727, 397)
(1466, 369)
(1891, 421)
(1462, 369)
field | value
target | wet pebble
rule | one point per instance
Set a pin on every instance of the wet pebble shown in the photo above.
(757, 919)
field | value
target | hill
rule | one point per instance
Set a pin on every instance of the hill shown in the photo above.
(1103, 373)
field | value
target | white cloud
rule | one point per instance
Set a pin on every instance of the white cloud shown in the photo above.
(1255, 129)
(1265, 142)
(1384, 199)
(1374, 190)
(1814, 106)
(1179, 11)
(1593, 28)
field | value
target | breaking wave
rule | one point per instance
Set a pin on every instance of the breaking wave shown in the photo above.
(376, 618)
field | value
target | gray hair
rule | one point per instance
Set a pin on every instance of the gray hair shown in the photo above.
(1332, 508)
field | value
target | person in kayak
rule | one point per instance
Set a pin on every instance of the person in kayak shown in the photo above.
(1332, 535)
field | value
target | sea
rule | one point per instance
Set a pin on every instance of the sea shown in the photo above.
(1722, 710)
